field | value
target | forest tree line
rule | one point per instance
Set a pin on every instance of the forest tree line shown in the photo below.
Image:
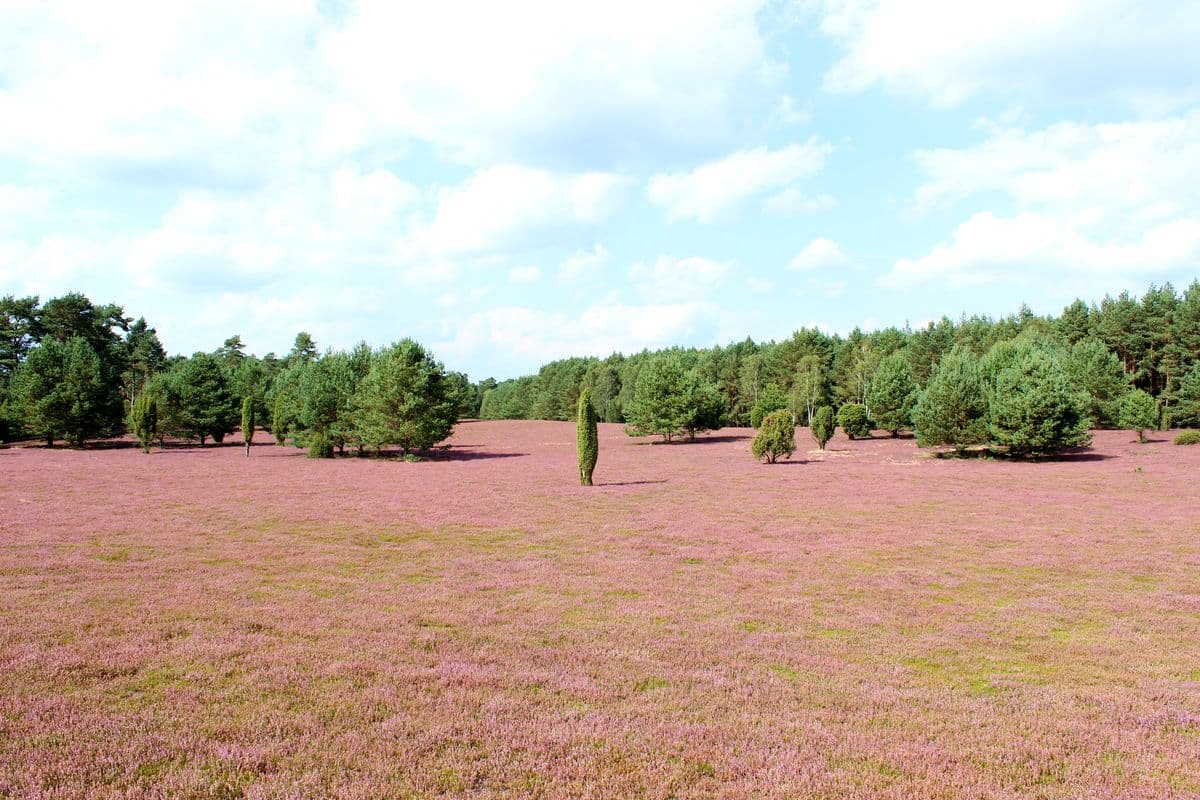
(1107, 349)
(71, 370)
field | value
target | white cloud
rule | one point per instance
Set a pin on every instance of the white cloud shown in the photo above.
(819, 254)
(583, 262)
(990, 249)
(526, 79)
(718, 188)
(499, 205)
(679, 277)
(946, 50)
(1109, 199)
(524, 275)
(1105, 171)
(792, 202)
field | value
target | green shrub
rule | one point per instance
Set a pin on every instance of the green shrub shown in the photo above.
(822, 426)
(319, 446)
(1138, 413)
(587, 440)
(143, 419)
(1034, 408)
(776, 437)
(770, 399)
(852, 418)
(1188, 437)
(248, 421)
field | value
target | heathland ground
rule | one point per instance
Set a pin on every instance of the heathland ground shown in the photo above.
(863, 622)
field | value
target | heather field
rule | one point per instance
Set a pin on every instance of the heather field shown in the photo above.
(863, 622)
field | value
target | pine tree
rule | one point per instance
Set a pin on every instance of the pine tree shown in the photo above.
(893, 394)
(660, 403)
(1034, 409)
(207, 405)
(1095, 371)
(776, 437)
(1138, 413)
(587, 439)
(953, 408)
(403, 400)
(59, 392)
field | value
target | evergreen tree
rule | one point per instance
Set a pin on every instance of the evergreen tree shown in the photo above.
(247, 422)
(1187, 413)
(304, 349)
(279, 420)
(59, 392)
(587, 438)
(770, 399)
(776, 437)
(852, 418)
(893, 394)
(1034, 409)
(206, 404)
(143, 419)
(660, 404)
(953, 408)
(822, 426)
(403, 400)
(1138, 413)
(1095, 372)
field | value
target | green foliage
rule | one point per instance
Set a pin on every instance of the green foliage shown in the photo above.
(1187, 412)
(1138, 413)
(58, 392)
(1034, 409)
(1096, 372)
(143, 419)
(587, 438)
(206, 404)
(403, 399)
(670, 399)
(1188, 437)
(852, 418)
(776, 437)
(770, 399)
(822, 426)
(319, 446)
(278, 419)
(810, 386)
(248, 422)
(893, 394)
(953, 407)
(304, 349)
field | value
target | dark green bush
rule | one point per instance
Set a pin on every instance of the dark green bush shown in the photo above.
(587, 440)
(822, 426)
(776, 437)
(319, 446)
(1188, 437)
(852, 418)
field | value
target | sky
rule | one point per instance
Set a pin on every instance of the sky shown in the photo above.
(510, 183)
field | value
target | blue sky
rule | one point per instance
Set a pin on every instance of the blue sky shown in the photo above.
(511, 183)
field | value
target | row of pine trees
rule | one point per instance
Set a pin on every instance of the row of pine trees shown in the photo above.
(1101, 352)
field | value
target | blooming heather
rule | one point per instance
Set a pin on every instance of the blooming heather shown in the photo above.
(873, 624)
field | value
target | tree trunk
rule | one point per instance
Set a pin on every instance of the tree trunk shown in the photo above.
(247, 449)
